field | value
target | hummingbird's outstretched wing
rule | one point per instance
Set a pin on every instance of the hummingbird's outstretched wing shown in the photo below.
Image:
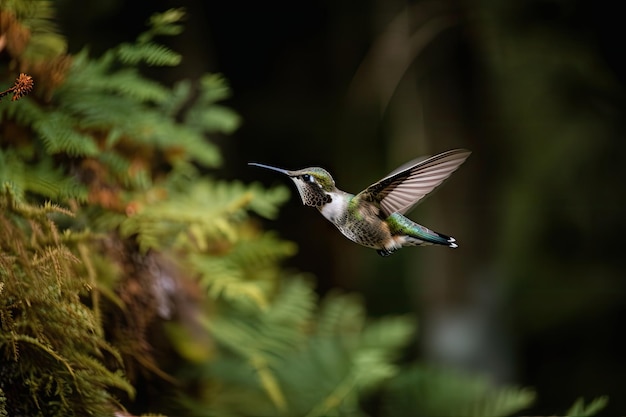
(403, 188)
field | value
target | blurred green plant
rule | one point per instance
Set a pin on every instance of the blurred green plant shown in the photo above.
(426, 391)
(54, 355)
(148, 285)
(580, 409)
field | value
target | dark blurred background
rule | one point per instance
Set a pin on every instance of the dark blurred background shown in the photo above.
(536, 292)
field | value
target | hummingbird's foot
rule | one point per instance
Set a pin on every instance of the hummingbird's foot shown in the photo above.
(386, 252)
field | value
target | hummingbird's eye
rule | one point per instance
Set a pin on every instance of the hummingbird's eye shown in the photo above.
(307, 178)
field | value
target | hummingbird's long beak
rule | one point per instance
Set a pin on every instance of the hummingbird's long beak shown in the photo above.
(282, 171)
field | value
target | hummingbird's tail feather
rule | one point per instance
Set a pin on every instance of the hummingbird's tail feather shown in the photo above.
(409, 233)
(448, 241)
(430, 238)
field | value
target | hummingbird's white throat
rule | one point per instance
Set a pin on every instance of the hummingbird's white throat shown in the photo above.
(336, 208)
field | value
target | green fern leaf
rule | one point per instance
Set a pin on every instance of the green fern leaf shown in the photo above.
(423, 390)
(258, 252)
(380, 345)
(180, 95)
(215, 118)
(267, 201)
(126, 82)
(214, 88)
(223, 280)
(274, 331)
(182, 137)
(43, 179)
(24, 111)
(341, 314)
(579, 409)
(59, 136)
(150, 53)
(318, 371)
(239, 276)
(166, 23)
(261, 339)
(318, 379)
(37, 16)
(3, 403)
(206, 211)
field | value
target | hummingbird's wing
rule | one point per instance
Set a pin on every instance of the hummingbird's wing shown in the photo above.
(403, 188)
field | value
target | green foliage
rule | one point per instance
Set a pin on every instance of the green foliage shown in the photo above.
(306, 361)
(579, 408)
(149, 53)
(43, 178)
(243, 275)
(105, 105)
(426, 391)
(123, 151)
(201, 216)
(3, 401)
(167, 23)
(37, 17)
(51, 346)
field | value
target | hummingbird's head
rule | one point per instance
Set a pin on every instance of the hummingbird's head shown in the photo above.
(314, 184)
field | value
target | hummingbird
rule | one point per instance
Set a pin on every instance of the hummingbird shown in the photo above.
(375, 217)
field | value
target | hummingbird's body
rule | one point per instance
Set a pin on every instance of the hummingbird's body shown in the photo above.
(374, 217)
(360, 222)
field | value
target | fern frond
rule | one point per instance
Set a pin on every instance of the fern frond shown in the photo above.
(207, 211)
(118, 164)
(206, 115)
(149, 53)
(45, 44)
(260, 339)
(318, 379)
(318, 370)
(37, 16)
(182, 143)
(214, 88)
(251, 254)
(580, 409)
(59, 135)
(388, 334)
(350, 365)
(3, 403)
(240, 275)
(99, 112)
(127, 82)
(293, 307)
(222, 279)
(166, 23)
(48, 350)
(428, 390)
(180, 95)
(266, 201)
(168, 224)
(275, 330)
(379, 347)
(42, 179)
(50, 182)
(95, 372)
(147, 126)
(215, 118)
(24, 112)
(340, 314)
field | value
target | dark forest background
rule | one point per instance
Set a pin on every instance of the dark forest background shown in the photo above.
(536, 292)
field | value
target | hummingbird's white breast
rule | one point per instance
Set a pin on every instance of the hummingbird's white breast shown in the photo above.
(360, 227)
(337, 208)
